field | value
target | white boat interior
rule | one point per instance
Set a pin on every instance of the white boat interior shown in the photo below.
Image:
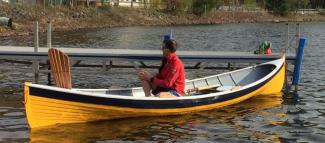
(216, 83)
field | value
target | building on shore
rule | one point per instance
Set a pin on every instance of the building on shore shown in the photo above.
(53, 2)
(123, 3)
(35, 2)
(130, 3)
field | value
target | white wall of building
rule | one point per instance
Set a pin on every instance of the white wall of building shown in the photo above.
(136, 3)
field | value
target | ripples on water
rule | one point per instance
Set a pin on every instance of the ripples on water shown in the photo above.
(13, 125)
(297, 118)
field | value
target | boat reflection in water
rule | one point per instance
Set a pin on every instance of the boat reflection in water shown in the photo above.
(251, 120)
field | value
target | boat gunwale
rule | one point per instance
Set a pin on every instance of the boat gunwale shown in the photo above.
(266, 77)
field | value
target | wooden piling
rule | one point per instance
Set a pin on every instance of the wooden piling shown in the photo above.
(36, 46)
(49, 35)
(49, 45)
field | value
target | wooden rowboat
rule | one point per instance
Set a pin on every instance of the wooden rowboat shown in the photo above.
(47, 105)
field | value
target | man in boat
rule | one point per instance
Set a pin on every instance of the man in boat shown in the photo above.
(170, 80)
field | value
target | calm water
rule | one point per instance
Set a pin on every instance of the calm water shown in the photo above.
(260, 119)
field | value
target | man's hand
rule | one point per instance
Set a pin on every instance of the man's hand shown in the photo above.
(144, 75)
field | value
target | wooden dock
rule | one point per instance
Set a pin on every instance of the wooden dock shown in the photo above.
(77, 54)
(109, 58)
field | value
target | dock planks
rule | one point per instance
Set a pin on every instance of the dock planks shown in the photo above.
(27, 53)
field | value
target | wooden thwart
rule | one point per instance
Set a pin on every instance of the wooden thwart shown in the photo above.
(60, 67)
(202, 88)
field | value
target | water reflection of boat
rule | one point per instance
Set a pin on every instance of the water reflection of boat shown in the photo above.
(46, 105)
(169, 127)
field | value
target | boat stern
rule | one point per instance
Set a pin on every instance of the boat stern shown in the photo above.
(275, 85)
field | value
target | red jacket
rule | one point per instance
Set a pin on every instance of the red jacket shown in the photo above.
(172, 74)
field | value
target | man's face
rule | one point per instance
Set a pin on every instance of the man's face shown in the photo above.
(165, 51)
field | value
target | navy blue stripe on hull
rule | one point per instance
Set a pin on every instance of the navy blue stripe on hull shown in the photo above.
(144, 104)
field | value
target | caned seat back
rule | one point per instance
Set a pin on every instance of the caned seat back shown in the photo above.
(60, 67)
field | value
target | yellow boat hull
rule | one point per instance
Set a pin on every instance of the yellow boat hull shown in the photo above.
(44, 111)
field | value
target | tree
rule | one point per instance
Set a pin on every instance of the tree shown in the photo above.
(279, 7)
(117, 3)
(145, 4)
(155, 4)
(184, 5)
(178, 6)
(202, 6)
(261, 3)
(294, 5)
(198, 7)
(317, 3)
(171, 5)
(70, 4)
(250, 4)
(132, 3)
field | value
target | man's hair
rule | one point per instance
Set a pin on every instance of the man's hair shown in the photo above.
(171, 45)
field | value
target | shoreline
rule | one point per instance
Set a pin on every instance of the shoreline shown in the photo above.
(64, 19)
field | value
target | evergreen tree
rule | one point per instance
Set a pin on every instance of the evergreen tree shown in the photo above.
(202, 6)
(317, 3)
(297, 4)
(279, 7)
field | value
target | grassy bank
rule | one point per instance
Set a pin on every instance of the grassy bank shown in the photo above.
(64, 18)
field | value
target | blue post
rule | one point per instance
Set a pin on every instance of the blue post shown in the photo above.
(298, 62)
